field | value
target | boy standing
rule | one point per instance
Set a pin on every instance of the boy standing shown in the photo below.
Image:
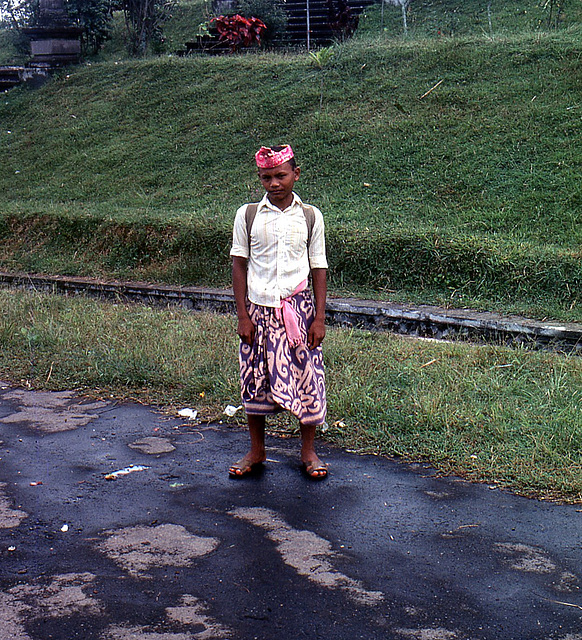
(277, 244)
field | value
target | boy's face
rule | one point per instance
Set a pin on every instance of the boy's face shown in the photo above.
(278, 182)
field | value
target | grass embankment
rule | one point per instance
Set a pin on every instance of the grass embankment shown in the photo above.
(508, 417)
(468, 196)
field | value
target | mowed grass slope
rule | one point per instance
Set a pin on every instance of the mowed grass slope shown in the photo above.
(467, 196)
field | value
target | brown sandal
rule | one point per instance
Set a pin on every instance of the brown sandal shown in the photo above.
(314, 469)
(242, 468)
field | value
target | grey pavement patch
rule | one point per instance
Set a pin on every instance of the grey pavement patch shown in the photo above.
(153, 445)
(192, 611)
(307, 553)
(142, 633)
(428, 634)
(138, 549)
(439, 495)
(526, 558)
(9, 517)
(11, 614)
(63, 596)
(569, 583)
(50, 411)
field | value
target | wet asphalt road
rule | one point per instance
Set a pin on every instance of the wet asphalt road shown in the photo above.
(178, 551)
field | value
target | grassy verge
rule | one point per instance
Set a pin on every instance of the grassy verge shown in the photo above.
(507, 417)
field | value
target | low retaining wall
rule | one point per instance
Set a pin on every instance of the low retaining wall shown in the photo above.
(422, 321)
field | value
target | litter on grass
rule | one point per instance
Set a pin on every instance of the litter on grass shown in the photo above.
(230, 410)
(124, 472)
(188, 413)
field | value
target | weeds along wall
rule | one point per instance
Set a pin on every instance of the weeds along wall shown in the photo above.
(372, 259)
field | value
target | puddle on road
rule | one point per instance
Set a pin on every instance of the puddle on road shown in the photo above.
(138, 549)
(523, 557)
(191, 612)
(568, 583)
(51, 412)
(64, 596)
(309, 554)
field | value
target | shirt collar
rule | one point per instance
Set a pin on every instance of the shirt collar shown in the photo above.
(267, 204)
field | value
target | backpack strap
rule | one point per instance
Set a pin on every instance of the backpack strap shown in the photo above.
(309, 214)
(251, 213)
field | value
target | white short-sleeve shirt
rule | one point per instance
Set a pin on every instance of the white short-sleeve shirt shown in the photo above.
(278, 261)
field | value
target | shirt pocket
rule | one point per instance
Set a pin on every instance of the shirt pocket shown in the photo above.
(296, 237)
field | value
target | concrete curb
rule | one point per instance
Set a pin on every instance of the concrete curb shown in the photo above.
(422, 320)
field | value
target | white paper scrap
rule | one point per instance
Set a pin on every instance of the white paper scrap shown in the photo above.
(230, 410)
(188, 413)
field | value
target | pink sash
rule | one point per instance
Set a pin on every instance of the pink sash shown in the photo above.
(290, 317)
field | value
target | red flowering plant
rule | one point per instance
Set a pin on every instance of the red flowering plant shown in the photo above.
(239, 31)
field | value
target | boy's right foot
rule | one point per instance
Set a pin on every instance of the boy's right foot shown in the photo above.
(245, 466)
(316, 470)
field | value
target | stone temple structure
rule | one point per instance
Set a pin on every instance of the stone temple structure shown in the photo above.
(54, 41)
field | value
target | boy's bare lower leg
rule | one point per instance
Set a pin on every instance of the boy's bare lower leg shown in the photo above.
(257, 454)
(315, 467)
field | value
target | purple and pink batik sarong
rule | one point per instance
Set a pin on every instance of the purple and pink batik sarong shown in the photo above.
(276, 376)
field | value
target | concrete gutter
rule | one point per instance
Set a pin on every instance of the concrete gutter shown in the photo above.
(423, 320)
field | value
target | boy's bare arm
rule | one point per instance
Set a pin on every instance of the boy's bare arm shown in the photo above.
(245, 329)
(317, 329)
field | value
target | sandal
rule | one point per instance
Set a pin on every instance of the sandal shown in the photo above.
(316, 470)
(243, 468)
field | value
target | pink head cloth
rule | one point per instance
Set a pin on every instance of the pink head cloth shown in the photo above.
(267, 158)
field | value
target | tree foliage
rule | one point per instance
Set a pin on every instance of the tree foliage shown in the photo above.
(143, 21)
(95, 18)
(17, 13)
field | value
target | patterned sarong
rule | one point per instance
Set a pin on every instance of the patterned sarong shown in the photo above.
(275, 376)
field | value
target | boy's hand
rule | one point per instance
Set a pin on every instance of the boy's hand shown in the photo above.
(316, 334)
(246, 330)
